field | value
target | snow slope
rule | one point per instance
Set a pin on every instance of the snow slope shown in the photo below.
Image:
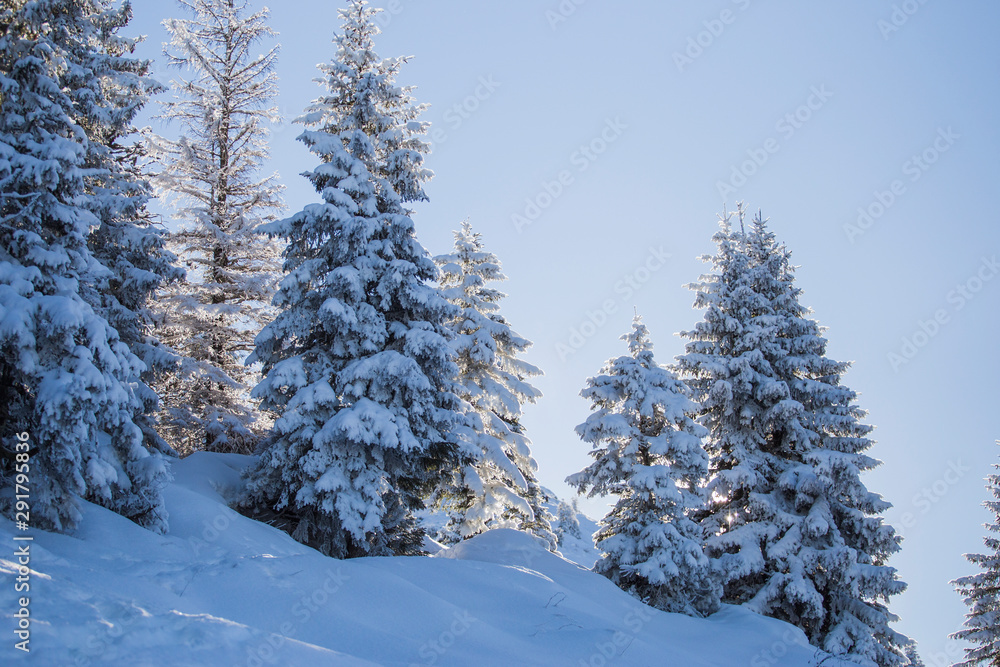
(222, 589)
(581, 549)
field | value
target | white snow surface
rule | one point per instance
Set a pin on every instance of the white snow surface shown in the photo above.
(581, 550)
(222, 589)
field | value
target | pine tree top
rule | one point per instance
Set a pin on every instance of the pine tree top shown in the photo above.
(638, 339)
(372, 117)
(642, 417)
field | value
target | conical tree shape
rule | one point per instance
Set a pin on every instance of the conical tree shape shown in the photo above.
(982, 591)
(647, 450)
(358, 364)
(793, 530)
(67, 376)
(844, 541)
(127, 242)
(569, 524)
(501, 490)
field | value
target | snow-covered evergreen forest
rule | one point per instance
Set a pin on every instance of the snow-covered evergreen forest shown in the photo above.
(282, 397)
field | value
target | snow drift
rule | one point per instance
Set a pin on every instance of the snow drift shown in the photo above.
(222, 589)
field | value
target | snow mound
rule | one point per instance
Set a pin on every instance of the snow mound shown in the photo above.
(223, 589)
(502, 545)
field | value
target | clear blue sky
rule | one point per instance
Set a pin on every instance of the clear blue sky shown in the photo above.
(630, 125)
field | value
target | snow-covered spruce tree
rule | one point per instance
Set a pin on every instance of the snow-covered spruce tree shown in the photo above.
(127, 242)
(793, 532)
(66, 377)
(647, 450)
(982, 591)
(846, 541)
(913, 657)
(222, 102)
(357, 362)
(568, 524)
(503, 491)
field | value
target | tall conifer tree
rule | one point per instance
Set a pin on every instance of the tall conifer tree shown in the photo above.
(648, 452)
(223, 102)
(127, 241)
(67, 376)
(358, 362)
(500, 489)
(794, 532)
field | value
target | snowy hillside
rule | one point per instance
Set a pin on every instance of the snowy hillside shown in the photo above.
(221, 589)
(580, 550)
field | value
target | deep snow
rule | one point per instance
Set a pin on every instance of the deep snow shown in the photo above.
(222, 589)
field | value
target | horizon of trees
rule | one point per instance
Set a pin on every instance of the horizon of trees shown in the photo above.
(372, 380)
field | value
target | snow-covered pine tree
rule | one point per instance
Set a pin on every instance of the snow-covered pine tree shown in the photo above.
(539, 523)
(223, 99)
(793, 531)
(730, 376)
(66, 377)
(503, 490)
(913, 656)
(982, 591)
(127, 241)
(358, 361)
(844, 540)
(647, 450)
(568, 524)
